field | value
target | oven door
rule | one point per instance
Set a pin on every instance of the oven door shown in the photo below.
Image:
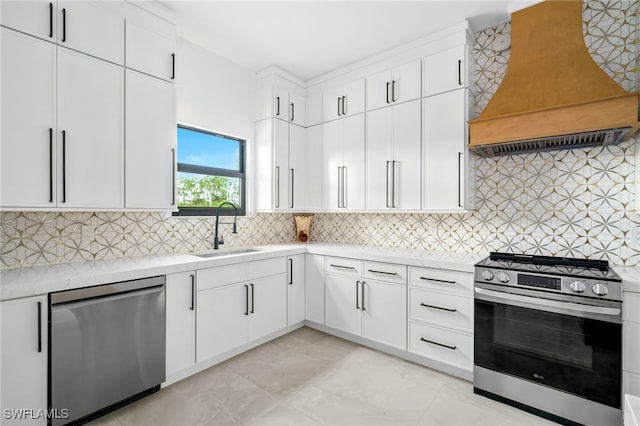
(572, 347)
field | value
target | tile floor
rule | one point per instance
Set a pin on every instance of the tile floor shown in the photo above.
(311, 378)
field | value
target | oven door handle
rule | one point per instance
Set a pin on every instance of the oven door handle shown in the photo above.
(556, 306)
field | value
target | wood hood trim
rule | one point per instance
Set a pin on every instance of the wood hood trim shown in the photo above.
(552, 85)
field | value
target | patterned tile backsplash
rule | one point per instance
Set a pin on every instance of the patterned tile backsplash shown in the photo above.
(569, 203)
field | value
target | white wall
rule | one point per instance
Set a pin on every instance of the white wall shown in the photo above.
(215, 94)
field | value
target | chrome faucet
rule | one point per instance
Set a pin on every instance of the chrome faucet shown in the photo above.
(218, 241)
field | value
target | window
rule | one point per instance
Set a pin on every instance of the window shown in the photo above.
(211, 170)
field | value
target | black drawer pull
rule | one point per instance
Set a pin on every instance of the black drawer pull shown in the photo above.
(437, 280)
(343, 267)
(438, 307)
(438, 344)
(382, 272)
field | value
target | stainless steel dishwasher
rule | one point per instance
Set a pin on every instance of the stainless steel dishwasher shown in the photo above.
(107, 346)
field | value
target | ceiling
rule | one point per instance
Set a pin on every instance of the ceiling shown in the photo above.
(311, 38)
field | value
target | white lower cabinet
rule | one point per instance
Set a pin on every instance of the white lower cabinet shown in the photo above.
(239, 303)
(24, 360)
(363, 306)
(181, 321)
(314, 288)
(295, 289)
(441, 316)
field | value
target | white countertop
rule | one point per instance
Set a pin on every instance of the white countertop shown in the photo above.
(630, 278)
(38, 280)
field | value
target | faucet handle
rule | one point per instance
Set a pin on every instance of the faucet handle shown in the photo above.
(221, 239)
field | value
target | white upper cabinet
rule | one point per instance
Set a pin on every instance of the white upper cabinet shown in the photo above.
(90, 132)
(393, 157)
(280, 102)
(28, 163)
(312, 168)
(151, 143)
(396, 85)
(297, 109)
(314, 109)
(92, 27)
(297, 168)
(448, 164)
(343, 101)
(151, 47)
(343, 143)
(280, 165)
(446, 70)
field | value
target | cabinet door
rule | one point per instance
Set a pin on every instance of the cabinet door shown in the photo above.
(297, 109)
(384, 313)
(331, 104)
(151, 142)
(313, 168)
(354, 97)
(264, 180)
(314, 288)
(280, 165)
(379, 90)
(35, 17)
(332, 162)
(353, 179)
(268, 306)
(221, 320)
(24, 356)
(295, 289)
(151, 52)
(91, 114)
(297, 168)
(444, 71)
(281, 103)
(342, 303)
(181, 321)
(406, 82)
(313, 110)
(92, 27)
(379, 157)
(28, 145)
(407, 149)
(444, 145)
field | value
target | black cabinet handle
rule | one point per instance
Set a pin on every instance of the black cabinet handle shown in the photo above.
(344, 105)
(388, 85)
(438, 307)
(382, 272)
(459, 72)
(173, 66)
(193, 292)
(39, 326)
(246, 299)
(343, 267)
(292, 187)
(363, 284)
(438, 344)
(293, 111)
(437, 280)
(393, 91)
(50, 165)
(253, 299)
(339, 107)
(459, 180)
(277, 106)
(64, 166)
(50, 20)
(357, 295)
(290, 271)
(64, 25)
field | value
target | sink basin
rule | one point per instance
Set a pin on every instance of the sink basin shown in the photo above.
(227, 252)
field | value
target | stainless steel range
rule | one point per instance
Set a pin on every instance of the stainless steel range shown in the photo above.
(548, 336)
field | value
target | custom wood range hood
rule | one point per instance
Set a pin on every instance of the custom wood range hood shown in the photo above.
(553, 95)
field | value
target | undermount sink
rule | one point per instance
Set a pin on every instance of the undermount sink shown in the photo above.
(227, 252)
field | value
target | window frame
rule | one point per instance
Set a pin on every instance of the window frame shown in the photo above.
(215, 171)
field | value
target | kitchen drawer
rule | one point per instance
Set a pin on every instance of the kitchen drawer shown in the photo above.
(385, 272)
(427, 341)
(442, 279)
(266, 267)
(631, 307)
(344, 266)
(631, 347)
(221, 275)
(443, 309)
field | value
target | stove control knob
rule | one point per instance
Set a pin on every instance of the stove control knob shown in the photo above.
(578, 287)
(487, 275)
(600, 289)
(503, 277)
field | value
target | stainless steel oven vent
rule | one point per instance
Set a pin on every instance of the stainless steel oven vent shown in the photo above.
(575, 140)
